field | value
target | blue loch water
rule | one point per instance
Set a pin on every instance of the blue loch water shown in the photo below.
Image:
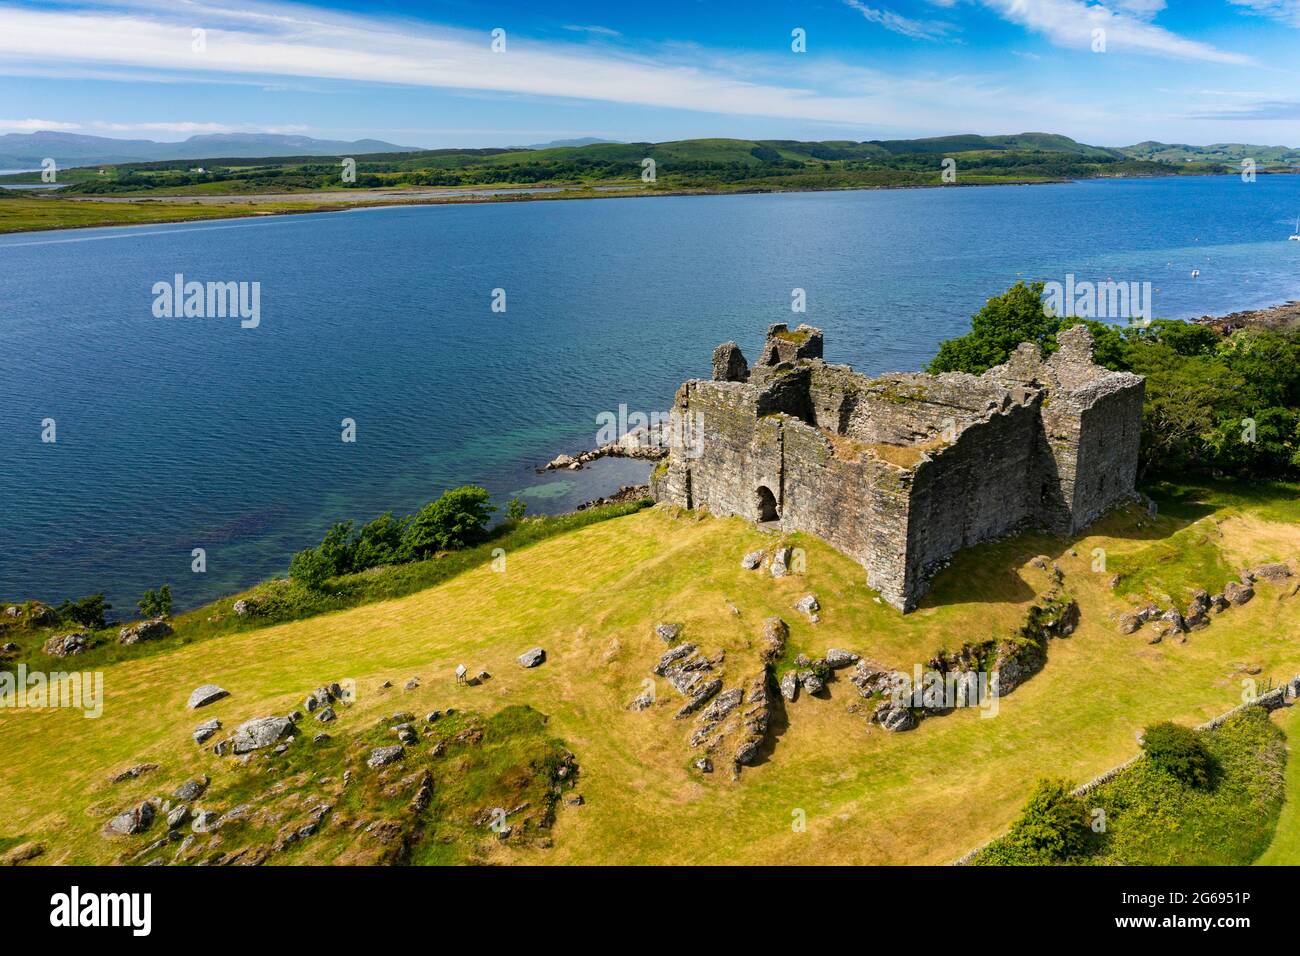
(177, 433)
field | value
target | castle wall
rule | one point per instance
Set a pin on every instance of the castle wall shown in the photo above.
(979, 488)
(1110, 436)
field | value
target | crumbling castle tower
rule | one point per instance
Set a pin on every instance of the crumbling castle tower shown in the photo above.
(902, 471)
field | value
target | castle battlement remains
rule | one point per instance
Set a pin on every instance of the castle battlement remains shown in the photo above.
(902, 471)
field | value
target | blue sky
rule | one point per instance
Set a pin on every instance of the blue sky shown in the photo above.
(424, 73)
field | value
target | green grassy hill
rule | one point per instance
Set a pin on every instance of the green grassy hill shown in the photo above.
(591, 598)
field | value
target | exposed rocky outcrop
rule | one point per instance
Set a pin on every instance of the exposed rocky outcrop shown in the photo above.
(66, 645)
(145, 631)
(775, 633)
(531, 658)
(260, 732)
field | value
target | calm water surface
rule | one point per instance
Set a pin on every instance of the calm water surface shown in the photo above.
(183, 433)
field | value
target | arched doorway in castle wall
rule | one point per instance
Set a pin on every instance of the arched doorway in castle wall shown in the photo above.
(765, 505)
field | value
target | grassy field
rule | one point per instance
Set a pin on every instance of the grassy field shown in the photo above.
(591, 597)
(31, 215)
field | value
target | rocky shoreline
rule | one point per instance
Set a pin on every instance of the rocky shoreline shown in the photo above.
(1277, 318)
(648, 442)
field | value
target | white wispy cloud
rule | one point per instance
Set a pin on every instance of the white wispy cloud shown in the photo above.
(1070, 23)
(598, 30)
(1287, 11)
(896, 23)
(277, 40)
(35, 125)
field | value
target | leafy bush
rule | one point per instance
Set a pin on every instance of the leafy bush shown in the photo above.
(457, 519)
(1053, 826)
(1180, 752)
(87, 612)
(156, 603)
(515, 510)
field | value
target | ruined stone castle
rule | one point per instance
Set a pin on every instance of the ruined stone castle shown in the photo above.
(902, 471)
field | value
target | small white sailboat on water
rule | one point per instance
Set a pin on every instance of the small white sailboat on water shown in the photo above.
(1295, 236)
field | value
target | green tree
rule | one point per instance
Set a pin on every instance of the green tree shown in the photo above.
(379, 542)
(1006, 320)
(515, 510)
(458, 518)
(156, 603)
(311, 568)
(1180, 752)
(87, 611)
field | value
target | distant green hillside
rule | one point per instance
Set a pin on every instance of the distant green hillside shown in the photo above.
(1229, 153)
(694, 165)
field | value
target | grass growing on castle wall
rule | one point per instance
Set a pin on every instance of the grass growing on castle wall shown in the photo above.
(591, 597)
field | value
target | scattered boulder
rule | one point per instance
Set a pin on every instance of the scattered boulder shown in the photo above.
(132, 821)
(781, 561)
(260, 732)
(677, 653)
(202, 696)
(643, 700)
(1237, 594)
(130, 773)
(145, 631)
(413, 683)
(704, 765)
(42, 615)
(191, 790)
(836, 658)
(531, 658)
(326, 715)
(790, 685)
(406, 734)
(13, 611)
(808, 605)
(1272, 573)
(205, 821)
(205, 730)
(66, 645)
(752, 560)
(177, 816)
(383, 756)
(775, 633)
(668, 633)
(894, 718)
(811, 682)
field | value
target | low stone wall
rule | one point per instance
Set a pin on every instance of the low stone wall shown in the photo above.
(1277, 697)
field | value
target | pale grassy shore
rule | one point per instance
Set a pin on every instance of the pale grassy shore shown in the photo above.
(591, 598)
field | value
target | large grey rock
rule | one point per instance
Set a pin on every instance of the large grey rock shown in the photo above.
(532, 658)
(836, 658)
(260, 732)
(132, 821)
(668, 632)
(811, 682)
(383, 756)
(177, 816)
(144, 631)
(205, 730)
(780, 566)
(66, 645)
(790, 685)
(676, 654)
(808, 605)
(775, 633)
(202, 696)
(1272, 573)
(205, 821)
(191, 789)
(895, 718)
(1237, 594)
(752, 560)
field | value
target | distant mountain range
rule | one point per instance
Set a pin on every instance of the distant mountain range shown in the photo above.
(27, 150)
